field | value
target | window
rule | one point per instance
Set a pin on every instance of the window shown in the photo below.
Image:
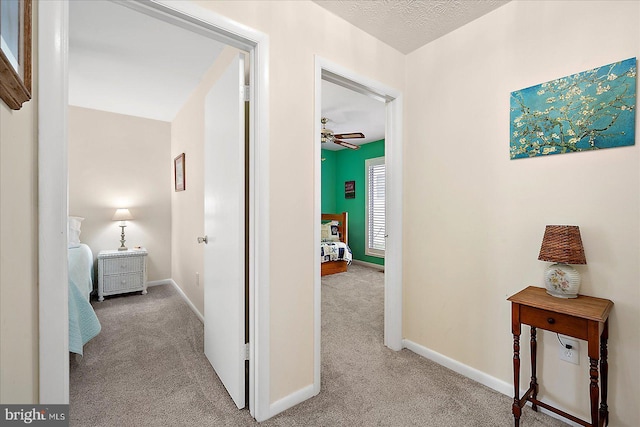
(375, 206)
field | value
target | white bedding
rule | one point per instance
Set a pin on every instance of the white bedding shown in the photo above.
(335, 251)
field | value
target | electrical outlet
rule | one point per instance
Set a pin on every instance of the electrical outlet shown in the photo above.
(571, 355)
(197, 279)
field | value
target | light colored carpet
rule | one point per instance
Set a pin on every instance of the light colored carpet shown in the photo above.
(147, 368)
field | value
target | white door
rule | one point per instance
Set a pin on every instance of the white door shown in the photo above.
(224, 225)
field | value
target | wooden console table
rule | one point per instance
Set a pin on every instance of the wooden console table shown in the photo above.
(584, 318)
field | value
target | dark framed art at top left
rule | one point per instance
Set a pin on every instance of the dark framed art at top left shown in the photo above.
(15, 52)
(179, 173)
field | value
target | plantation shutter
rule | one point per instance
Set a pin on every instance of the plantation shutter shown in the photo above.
(376, 206)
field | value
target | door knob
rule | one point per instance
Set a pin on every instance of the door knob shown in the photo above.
(204, 239)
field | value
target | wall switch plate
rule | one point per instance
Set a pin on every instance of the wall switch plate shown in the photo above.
(571, 355)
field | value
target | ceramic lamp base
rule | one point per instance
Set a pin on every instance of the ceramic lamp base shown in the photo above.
(122, 246)
(562, 281)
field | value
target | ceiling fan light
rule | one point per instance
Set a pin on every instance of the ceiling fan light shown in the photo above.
(327, 135)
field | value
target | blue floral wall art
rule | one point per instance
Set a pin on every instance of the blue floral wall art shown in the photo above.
(590, 110)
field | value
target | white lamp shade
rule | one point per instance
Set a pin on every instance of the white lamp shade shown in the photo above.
(122, 215)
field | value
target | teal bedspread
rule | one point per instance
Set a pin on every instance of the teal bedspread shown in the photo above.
(83, 322)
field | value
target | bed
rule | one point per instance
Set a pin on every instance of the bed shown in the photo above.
(335, 254)
(83, 322)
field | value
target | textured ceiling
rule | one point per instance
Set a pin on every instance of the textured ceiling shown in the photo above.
(409, 24)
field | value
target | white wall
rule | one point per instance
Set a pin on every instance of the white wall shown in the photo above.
(122, 161)
(19, 246)
(297, 31)
(187, 219)
(18, 255)
(475, 219)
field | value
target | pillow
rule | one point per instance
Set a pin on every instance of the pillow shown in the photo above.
(329, 232)
(73, 235)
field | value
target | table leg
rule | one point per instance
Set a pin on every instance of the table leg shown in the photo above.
(517, 411)
(604, 375)
(594, 390)
(534, 379)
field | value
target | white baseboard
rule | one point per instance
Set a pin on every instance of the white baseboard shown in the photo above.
(159, 282)
(292, 400)
(368, 264)
(469, 372)
(476, 375)
(183, 295)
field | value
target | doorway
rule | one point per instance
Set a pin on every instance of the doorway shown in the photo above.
(53, 202)
(326, 70)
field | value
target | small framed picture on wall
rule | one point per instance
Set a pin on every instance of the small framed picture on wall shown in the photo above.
(349, 189)
(15, 52)
(179, 173)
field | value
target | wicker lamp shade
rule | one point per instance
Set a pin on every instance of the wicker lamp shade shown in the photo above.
(562, 243)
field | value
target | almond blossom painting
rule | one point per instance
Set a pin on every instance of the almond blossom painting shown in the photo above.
(590, 110)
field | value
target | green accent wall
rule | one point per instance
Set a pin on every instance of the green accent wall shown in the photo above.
(328, 173)
(348, 165)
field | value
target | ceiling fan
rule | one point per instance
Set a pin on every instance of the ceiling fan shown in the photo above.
(327, 135)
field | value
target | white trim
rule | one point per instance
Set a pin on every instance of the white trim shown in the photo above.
(476, 375)
(53, 31)
(368, 264)
(159, 282)
(469, 372)
(182, 294)
(393, 155)
(259, 236)
(293, 399)
(393, 246)
(317, 218)
(53, 334)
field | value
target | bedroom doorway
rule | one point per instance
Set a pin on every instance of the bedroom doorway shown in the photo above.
(151, 120)
(53, 172)
(392, 99)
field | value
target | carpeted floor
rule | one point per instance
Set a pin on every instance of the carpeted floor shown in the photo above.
(147, 368)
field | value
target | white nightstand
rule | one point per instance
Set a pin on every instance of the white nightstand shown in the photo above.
(122, 271)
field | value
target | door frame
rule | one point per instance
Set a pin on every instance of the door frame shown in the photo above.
(327, 70)
(53, 73)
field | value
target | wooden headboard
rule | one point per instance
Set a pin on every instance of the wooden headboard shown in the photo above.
(343, 224)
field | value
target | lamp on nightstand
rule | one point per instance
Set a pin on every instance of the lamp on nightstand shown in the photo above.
(122, 215)
(562, 244)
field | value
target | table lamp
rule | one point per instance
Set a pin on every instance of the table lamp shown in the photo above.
(562, 245)
(122, 215)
